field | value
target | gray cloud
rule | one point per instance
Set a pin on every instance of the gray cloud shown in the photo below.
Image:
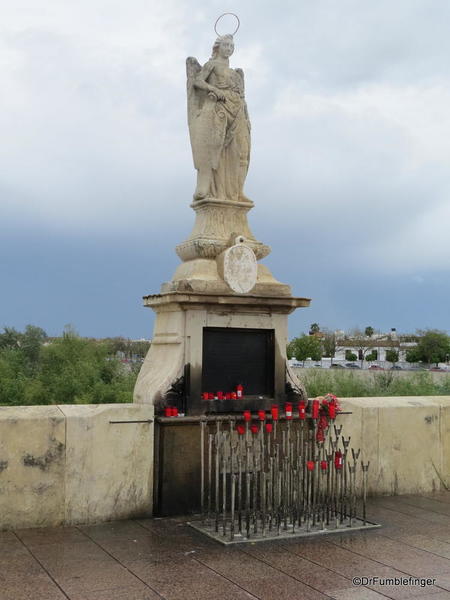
(349, 105)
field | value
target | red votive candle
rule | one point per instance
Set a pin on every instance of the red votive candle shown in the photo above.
(220, 395)
(247, 415)
(338, 460)
(332, 410)
(168, 411)
(310, 465)
(254, 428)
(205, 395)
(228, 396)
(323, 465)
(240, 429)
(174, 411)
(239, 391)
(301, 411)
(233, 395)
(288, 410)
(262, 415)
(315, 409)
(274, 411)
(210, 396)
(269, 427)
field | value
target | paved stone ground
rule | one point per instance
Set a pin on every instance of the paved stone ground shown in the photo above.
(163, 558)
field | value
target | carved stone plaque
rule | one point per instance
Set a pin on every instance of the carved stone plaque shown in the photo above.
(240, 268)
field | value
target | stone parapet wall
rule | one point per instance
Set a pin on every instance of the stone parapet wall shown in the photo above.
(71, 465)
(62, 465)
(406, 439)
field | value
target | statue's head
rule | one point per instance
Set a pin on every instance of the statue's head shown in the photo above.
(223, 46)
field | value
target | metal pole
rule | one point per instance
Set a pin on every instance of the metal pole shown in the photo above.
(224, 487)
(233, 488)
(247, 487)
(210, 444)
(365, 468)
(202, 467)
(217, 475)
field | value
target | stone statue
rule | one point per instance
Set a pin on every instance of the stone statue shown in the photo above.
(219, 126)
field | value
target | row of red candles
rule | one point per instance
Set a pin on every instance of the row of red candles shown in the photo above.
(289, 414)
(234, 395)
(172, 411)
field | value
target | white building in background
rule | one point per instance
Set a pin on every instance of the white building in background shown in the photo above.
(364, 345)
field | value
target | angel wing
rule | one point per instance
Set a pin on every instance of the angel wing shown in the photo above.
(206, 127)
(240, 72)
(193, 68)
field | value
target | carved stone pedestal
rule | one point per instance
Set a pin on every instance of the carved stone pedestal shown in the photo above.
(175, 362)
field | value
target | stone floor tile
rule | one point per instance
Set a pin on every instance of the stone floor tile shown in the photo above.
(30, 589)
(114, 530)
(396, 554)
(19, 567)
(427, 503)
(438, 596)
(141, 592)
(65, 553)
(127, 551)
(50, 535)
(443, 580)
(318, 577)
(186, 578)
(361, 593)
(92, 577)
(402, 507)
(257, 577)
(281, 587)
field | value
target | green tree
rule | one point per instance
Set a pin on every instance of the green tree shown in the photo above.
(433, 346)
(350, 356)
(412, 355)
(369, 331)
(305, 346)
(69, 370)
(372, 356)
(392, 356)
(10, 338)
(31, 342)
(329, 344)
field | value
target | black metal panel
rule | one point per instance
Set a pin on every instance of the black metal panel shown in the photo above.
(233, 355)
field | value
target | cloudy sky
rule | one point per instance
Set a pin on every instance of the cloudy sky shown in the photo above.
(350, 174)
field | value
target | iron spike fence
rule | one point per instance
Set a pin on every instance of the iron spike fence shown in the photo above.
(263, 480)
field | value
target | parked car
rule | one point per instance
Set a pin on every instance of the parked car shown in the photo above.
(376, 368)
(437, 369)
(396, 368)
(352, 366)
(334, 366)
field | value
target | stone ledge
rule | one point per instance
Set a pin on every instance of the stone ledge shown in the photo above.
(183, 299)
(68, 464)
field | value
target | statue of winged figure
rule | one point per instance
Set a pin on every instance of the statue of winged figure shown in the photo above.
(219, 125)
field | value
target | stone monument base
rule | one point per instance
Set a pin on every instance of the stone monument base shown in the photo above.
(174, 363)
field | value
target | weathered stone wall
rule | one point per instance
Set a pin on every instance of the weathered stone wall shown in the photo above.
(69, 464)
(406, 439)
